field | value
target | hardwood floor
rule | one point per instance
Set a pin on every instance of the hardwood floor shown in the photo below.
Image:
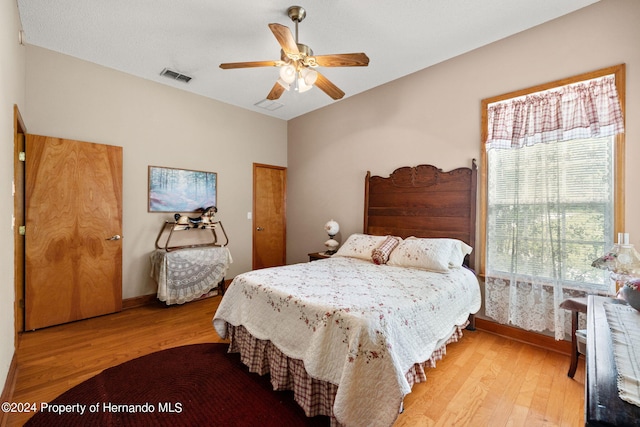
(52, 360)
(488, 380)
(485, 379)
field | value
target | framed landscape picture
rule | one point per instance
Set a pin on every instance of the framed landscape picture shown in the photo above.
(181, 190)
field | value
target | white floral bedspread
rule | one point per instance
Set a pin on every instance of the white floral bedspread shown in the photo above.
(355, 324)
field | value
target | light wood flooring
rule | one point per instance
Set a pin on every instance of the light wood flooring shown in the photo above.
(485, 379)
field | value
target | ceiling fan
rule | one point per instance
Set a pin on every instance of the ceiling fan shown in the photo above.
(298, 63)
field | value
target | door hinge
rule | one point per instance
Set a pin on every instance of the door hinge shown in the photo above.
(22, 156)
(21, 303)
(22, 230)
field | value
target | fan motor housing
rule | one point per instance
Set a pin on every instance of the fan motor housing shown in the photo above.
(304, 50)
(305, 55)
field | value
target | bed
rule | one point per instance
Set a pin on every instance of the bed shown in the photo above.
(350, 335)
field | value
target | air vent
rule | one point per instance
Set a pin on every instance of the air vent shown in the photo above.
(268, 104)
(175, 75)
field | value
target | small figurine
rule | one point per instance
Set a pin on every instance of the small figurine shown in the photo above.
(207, 214)
(198, 222)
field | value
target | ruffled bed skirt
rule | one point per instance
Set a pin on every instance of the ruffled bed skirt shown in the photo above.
(316, 397)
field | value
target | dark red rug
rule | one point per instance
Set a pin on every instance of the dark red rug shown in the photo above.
(193, 385)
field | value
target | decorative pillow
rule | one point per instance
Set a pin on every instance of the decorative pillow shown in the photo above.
(426, 254)
(380, 255)
(360, 246)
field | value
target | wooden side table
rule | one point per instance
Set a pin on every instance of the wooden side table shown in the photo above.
(313, 256)
(576, 305)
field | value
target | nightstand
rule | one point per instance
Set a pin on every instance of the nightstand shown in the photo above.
(318, 255)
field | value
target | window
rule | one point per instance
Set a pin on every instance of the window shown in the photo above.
(551, 195)
(550, 211)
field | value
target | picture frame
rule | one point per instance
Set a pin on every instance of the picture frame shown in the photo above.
(181, 190)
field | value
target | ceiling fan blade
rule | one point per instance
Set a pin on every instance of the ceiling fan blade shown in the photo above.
(343, 60)
(329, 88)
(285, 38)
(251, 64)
(276, 91)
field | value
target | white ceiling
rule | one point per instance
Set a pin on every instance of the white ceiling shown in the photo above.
(193, 37)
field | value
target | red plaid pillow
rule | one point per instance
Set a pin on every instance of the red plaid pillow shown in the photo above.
(380, 255)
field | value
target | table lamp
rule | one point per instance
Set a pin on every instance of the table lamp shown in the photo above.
(622, 260)
(332, 228)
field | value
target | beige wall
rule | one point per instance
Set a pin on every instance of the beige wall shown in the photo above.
(433, 117)
(12, 85)
(156, 125)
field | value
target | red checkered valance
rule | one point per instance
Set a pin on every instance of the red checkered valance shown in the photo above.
(583, 110)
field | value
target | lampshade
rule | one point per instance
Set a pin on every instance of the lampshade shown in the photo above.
(301, 86)
(622, 258)
(309, 76)
(332, 227)
(627, 261)
(288, 73)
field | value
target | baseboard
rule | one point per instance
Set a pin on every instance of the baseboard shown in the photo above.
(138, 301)
(517, 334)
(9, 387)
(150, 299)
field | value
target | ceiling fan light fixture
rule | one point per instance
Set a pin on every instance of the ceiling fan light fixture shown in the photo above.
(288, 73)
(309, 76)
(301, 86)
(297, 62)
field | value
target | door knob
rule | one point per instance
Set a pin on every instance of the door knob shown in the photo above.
(114, 237)
(259, 229)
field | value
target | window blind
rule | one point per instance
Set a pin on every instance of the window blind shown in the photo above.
(550, 211)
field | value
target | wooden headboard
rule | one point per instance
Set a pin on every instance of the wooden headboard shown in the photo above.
(423, 201)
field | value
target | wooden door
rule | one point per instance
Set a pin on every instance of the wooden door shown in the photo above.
(19, 131)
(269, 216)
(73, 228)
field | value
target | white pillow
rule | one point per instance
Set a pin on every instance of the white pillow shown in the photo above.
(429, 254)
(360, 246)
(460, 250)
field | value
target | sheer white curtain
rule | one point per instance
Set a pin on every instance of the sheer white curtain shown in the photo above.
(550, 201)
